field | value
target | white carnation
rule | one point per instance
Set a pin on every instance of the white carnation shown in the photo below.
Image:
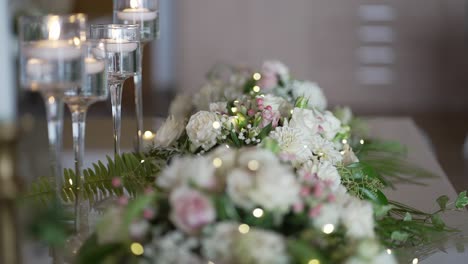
(188, 170)
(172, 248)
(181, 106)
(278, 104)
(203, 129)
(227, 246)
(307, 120)
(169, 132)
(325, 171)
(329, 214)
(311, 91)
(325, 149)
(278, 68)
(330, 125)
(292, 142)
(358, 218)
(262, 181)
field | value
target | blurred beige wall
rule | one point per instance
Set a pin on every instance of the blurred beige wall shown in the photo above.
(422, 68)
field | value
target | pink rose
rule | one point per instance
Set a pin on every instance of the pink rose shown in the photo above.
(191, 210)
(270, 116)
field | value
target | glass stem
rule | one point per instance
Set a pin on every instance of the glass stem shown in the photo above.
(54, 109)
(116, 100)
(81, 208)
(138, 83)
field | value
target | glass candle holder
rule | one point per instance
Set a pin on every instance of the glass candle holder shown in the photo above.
(51, 61)
(121, 48)
(145, 14)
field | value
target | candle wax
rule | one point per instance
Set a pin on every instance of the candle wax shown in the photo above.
(119, 46)
(38, 69)
(53, 50)
(137, 14)
(93, 66)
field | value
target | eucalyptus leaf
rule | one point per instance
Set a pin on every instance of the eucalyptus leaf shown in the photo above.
(442, 201)
(462, 200)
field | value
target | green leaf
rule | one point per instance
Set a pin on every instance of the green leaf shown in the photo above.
(437, 221)
(93, 252)
(376, 197)
(301, 102)
(407, 217)
(265, 131)
(462, 200)
(399, 236)
(302, 252)
(442, 201)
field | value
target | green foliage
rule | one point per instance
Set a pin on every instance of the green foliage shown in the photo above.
(389, 159)
(134, 170)
(461, 201)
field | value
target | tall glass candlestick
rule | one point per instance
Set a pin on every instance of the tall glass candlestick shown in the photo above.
(52, 62)
(78, 99)
(121, 45)
(143, 13)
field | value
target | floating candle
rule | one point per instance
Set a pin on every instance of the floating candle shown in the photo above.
(53, 50)
(137, 14)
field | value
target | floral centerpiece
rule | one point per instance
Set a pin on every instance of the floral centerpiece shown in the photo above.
(254, 169)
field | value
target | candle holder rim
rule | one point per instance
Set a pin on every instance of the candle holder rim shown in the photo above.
(115, 26)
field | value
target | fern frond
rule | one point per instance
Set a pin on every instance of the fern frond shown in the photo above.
(136, 171)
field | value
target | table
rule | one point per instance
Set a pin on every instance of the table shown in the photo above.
(99, 143)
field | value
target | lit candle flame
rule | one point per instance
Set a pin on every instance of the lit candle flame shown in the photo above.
(54, 28)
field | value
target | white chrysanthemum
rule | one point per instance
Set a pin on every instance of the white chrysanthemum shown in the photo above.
(330, 125)
(227, 246)
(218, 107)
(325, 171)
(307, 120)
(358, 218)
(203, 129)
(311, 91)
(292, 142)
(278, 104)
(169, 132)
(181, 106)
(325, 149)
(210, 92)
(172, 248)
(188, 170)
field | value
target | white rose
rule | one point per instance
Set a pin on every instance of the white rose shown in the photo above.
(307, 120)
(188, 170)
(181, 106)
(174, 247)
(169, 132)
(219, 107)
(278, 104)
(311, 91)
(330, 125)
(262, 156)
(358, 218)
(218, 246)
(262, 247)
(203, 129)
(292, 142)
